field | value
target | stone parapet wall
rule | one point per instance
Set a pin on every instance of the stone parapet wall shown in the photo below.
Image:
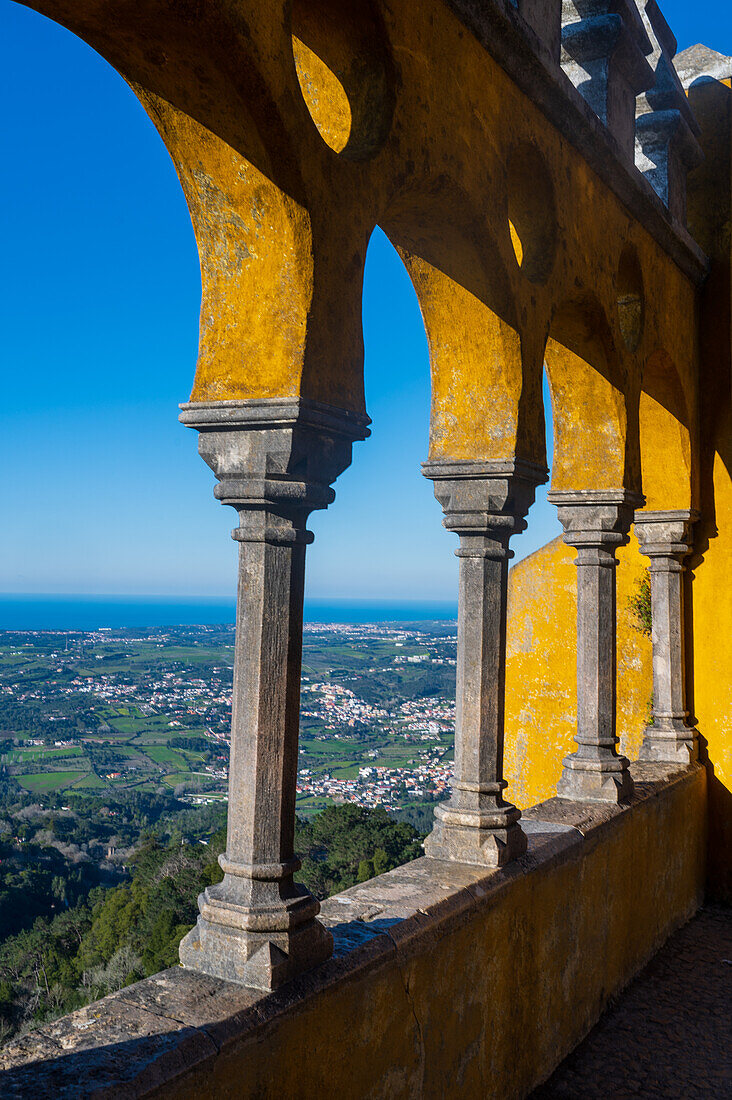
(447, 979)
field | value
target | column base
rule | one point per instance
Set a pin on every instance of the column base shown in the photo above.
(259, 946)
(262, 960)
(590, 781)
(482, 839)
(673, 744)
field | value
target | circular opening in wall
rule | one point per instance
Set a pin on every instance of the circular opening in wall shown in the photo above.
(324, 95)
(630, 297)
(532, 221)
(343, 74)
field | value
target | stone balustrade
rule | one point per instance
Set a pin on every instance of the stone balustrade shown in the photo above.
(619, 54)
(446, 978)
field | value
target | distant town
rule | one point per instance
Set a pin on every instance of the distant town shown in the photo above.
(150, 710)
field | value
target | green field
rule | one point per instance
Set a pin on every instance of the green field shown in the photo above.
(90, 782)
(183, 777)
(163, 755)
(309, 804)
(47, 781)
(29, 756)
(117, 734)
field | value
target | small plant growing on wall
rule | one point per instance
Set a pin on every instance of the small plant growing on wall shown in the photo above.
(640, 604)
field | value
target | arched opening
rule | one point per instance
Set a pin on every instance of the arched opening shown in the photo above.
(344, 74)
(470, 317)
(588, 404)
(665, 437)
(381, 540)
(587, 449)
(382, 558)
(100, 338)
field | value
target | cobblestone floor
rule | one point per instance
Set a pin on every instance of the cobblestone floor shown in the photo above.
(669, 1034)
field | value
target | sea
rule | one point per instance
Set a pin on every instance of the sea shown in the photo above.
(88, 613)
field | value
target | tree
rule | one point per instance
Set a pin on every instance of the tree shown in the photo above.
(340, 845)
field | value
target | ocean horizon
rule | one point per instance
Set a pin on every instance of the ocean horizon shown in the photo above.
(86, 613)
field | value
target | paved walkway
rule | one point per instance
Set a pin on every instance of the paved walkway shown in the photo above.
(669, 1035)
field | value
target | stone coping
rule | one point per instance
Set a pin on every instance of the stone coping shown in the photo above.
(135, 1042)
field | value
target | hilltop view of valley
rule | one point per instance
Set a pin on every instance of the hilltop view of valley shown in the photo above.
(114, 750)
(125, 711)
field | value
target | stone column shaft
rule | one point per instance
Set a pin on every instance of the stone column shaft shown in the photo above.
(596, 523)
(274, 461)
(481, 668)
(596, 651)
(266, 700)
(665, 538)
(484, 503)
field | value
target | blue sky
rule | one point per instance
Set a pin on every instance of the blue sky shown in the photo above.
(103, 491)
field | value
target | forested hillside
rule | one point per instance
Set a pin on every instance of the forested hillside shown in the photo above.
(113, 936)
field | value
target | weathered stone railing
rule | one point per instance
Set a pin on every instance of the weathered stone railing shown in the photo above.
(447, 979)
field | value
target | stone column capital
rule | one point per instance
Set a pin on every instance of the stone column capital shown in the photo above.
(275, 460)
(485, 500)
(595, 519)
(665, 536)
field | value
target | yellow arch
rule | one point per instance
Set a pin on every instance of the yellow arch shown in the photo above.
(665, 436)
(588, 403)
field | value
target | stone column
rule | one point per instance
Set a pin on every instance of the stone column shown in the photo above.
(596, 524)
(274, 461)
(484, 503)
(665, 538)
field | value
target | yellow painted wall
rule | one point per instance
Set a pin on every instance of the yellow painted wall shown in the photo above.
(710, 211)
(541, 685)
(713, 676)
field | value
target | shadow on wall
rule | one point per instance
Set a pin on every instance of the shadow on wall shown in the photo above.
(710, 635)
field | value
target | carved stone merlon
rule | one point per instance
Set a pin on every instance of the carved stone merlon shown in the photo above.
(596, 524)
(666, 538)
(604, 44)
(666, 147)
(274, 461)
(485, 504)
(545, 19)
